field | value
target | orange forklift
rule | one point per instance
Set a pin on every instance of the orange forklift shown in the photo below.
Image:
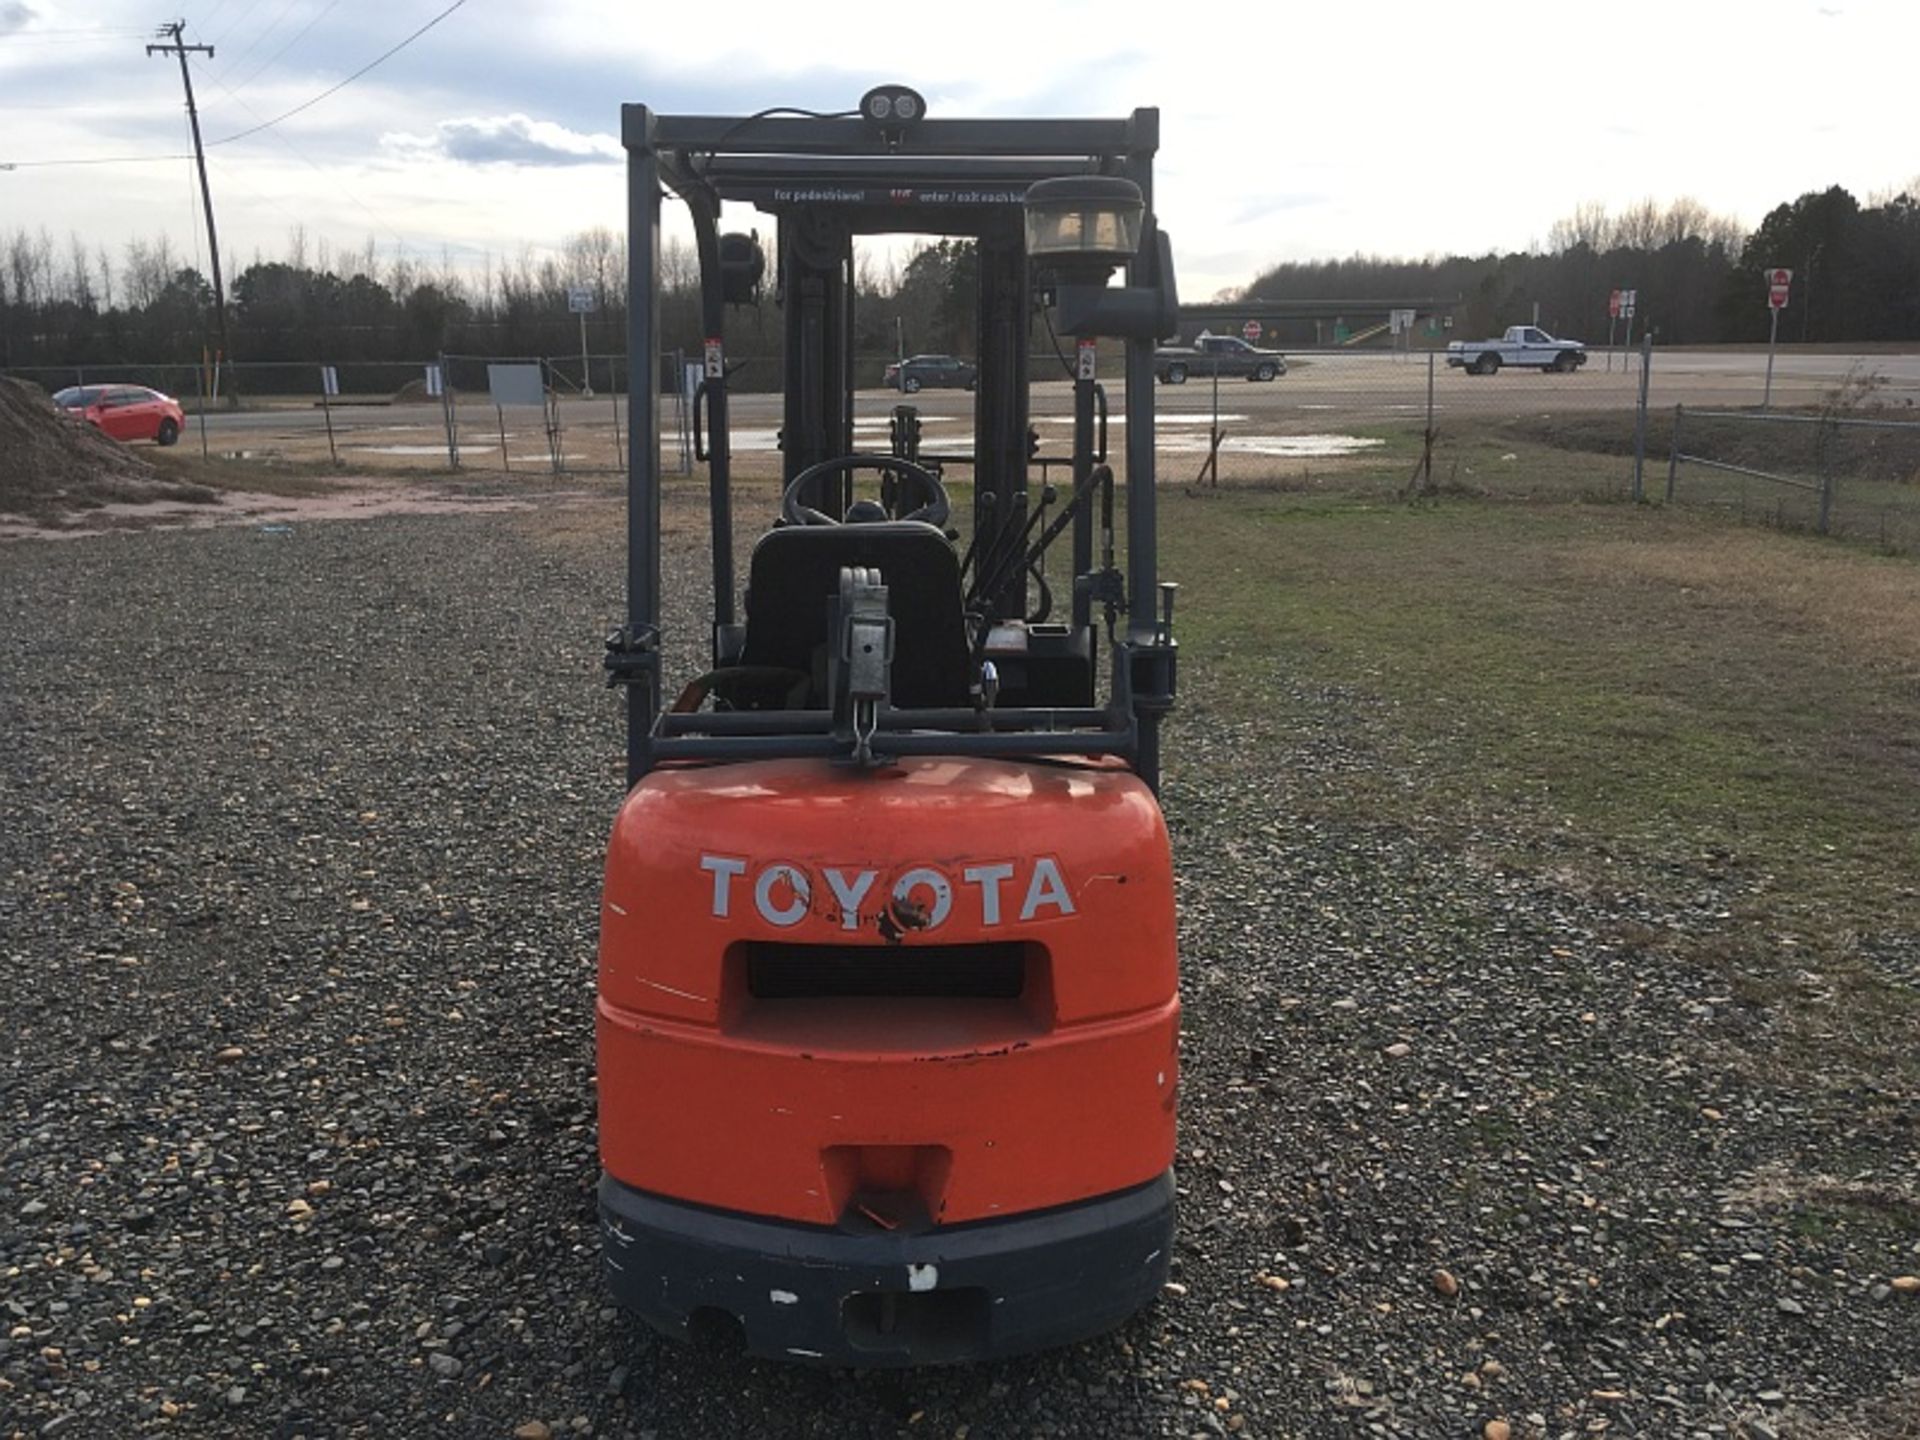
(888, 1012)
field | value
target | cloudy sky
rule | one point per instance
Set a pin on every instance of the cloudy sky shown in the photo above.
(1288, 130)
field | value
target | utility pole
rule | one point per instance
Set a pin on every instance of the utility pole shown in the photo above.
(176, 47)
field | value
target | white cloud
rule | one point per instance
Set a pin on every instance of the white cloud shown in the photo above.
(504, 140)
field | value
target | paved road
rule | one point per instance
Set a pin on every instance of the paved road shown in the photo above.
(1323, 393)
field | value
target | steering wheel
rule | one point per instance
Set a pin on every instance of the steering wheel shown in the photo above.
(933, 508)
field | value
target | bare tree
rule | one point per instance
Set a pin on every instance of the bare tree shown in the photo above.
(79, 284)
(103, 264)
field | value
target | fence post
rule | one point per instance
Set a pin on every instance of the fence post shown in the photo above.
(613, 397)
(556, 436)
(200, 392)
(1673, 453)
(1640, 425)
(326, 409)
(1826, 482)
(686, 411)
(446, 413)
(1426, 447)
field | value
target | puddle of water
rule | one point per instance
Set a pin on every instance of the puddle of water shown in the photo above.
(1165, 417)
(1284, 447)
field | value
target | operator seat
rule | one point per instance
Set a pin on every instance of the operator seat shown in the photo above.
(795, 570)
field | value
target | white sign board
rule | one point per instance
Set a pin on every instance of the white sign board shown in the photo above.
(580, 300)
(716, 359)
(435, 386)
(515, 385)
(329, 381)
(1628, 299)
(1401, 321)
(1087, 358)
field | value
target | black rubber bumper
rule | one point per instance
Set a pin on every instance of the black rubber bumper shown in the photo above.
(881, 1299)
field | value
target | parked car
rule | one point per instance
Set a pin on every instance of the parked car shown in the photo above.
(1527, 346)
(929, 372)
(1217, 354)
(125, 412)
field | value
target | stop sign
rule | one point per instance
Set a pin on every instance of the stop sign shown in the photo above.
(1778, 283)
(1251, 330)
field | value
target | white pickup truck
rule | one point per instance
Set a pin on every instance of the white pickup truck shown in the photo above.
(1527, 346)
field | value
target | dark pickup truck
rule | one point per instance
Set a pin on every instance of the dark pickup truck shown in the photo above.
(1221, 354)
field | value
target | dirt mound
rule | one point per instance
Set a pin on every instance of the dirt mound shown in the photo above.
(51, 466)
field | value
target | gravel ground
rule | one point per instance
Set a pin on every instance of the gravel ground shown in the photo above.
(301, 854)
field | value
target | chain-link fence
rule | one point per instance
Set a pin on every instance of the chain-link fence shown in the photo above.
(437, 413)
(1837, 453)
(1852, 475)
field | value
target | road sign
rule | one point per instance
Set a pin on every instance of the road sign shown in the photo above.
(580, 300)
(716, 358)
(434, 386)
(1779, 286)
(329, 381)
(1628, 299)
(1252, 331)
(1088, 361)
(1613, 305)
(1400, 321)
(516, 385)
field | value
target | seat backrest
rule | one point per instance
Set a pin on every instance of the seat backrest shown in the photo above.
(796, 570)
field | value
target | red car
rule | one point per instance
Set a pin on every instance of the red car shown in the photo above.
(125, 412)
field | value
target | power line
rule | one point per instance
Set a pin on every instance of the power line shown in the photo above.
(372, 64)
(34, 41)
(313, 165)
(335, 89)
(235, 23)
(298, 36)
(212, 15)
(262, 33)
(89, 160)
(39, 31)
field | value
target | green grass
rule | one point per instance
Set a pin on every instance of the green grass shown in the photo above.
(1625, 693)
